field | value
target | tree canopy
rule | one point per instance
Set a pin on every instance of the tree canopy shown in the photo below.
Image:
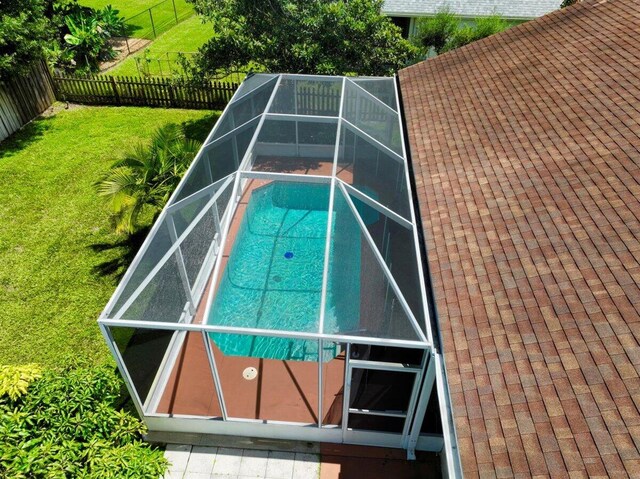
(24, 31)
(445, 31)
(301, 36)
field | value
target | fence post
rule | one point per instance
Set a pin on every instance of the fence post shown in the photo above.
(115, 89)
(172, 100)
(175, 13)
(153, 27)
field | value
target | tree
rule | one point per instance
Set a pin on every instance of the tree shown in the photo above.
(301, 36)
(434, 32)
(141, 183)
(483, 27)
(24, 32)
(445, 31)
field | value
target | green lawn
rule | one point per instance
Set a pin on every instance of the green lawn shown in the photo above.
(55, 231)
(164, 14)
(127, 8)
(184, 37)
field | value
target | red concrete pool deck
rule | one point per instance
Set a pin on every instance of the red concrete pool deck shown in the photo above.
(343, 461)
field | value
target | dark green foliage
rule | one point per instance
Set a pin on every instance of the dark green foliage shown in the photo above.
(445, 31)
(110, 20)
(566, 3)
(434, 32)
(482, 28)
(67, 425)
(84, 34)
(141, 183)
(70, 36)
(24, 32)
(301, 36)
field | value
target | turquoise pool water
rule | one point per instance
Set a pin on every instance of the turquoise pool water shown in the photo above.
(273, 279)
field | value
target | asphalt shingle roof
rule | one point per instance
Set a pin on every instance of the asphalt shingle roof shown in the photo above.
(526, 150)
(517, 9)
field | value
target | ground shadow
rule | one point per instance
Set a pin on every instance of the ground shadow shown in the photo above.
(22, 138)
(199, 129)
(126, 247)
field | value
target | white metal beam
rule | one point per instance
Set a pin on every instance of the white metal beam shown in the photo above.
(168, 254)
(379, 207)
(366, 136)
(302, 118)
(244, 126)
(212, 328)
(235, 198)
(414, 220)
(425, 393)
(385, 268)
(252, 91)
(373, 98)
(290, 177)
(217, 383)
(206, 191)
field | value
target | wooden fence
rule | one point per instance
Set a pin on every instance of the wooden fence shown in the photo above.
(136, 91)
(314, 99)
(24, 98)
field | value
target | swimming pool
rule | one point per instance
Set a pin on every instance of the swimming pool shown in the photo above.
(273, 279)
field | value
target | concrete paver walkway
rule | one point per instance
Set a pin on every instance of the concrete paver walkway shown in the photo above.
(199, 462)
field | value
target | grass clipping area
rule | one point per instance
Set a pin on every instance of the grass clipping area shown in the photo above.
(59, 256)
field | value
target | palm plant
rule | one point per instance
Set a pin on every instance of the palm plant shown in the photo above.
(141, 183)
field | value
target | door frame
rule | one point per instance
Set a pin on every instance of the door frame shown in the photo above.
(376, 438)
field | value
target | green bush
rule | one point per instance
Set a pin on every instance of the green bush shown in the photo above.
(24, 32)
(66, 424)
(14, 380)
(445, 31)
(434, 32)
(110, 20)
(482, 28)
(141, 183)
(81, 35)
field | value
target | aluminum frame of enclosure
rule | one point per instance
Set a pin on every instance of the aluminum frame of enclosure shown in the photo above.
(208, 201)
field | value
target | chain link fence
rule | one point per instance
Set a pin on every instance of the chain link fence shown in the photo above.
(155, 20)
(169, 65)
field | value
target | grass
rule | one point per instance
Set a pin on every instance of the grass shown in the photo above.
(139, 22)
(127, 8)
(56, 235)
(185, 37)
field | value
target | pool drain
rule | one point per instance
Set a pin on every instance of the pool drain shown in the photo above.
(288, 255)
(250, 373)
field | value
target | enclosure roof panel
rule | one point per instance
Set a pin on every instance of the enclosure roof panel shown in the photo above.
(526, 148)
(295, 135)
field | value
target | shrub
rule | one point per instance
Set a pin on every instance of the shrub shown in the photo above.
(14, 380)
(482, 28)
(445, 31)
(88, 42)
(65, 424)
(110, 20)
(24, 32)
(81, 39)
(433, 32)
(139, 185)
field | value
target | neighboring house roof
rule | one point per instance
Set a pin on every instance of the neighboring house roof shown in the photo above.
(517, 9)
(526, 152)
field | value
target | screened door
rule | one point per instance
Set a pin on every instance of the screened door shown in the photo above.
(379, 402)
